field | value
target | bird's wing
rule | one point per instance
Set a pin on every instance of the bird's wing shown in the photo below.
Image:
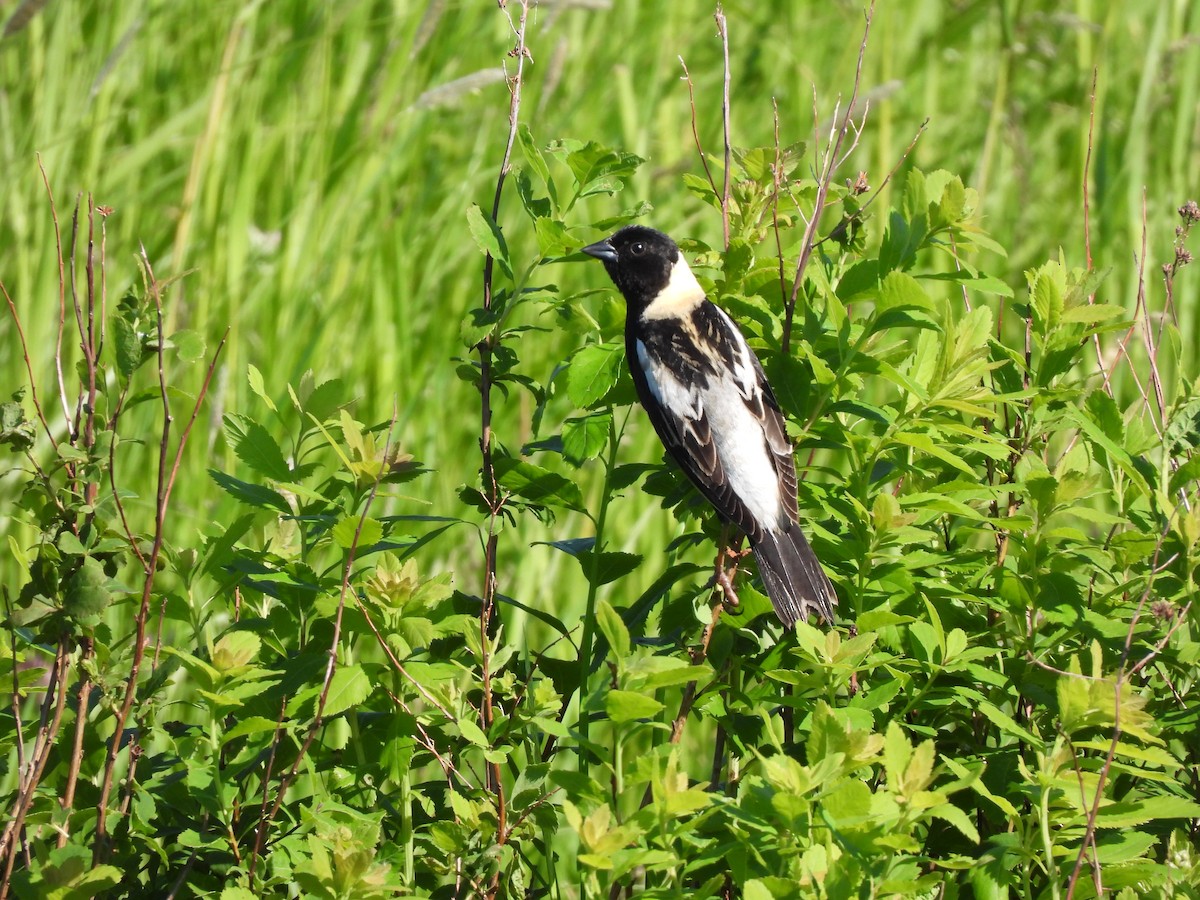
(710, 403)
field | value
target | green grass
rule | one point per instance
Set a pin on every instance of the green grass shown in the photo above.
(306, 173)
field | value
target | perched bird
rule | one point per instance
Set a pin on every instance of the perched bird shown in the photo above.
(710, 403)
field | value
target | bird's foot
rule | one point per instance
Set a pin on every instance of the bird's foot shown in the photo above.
(729, 597)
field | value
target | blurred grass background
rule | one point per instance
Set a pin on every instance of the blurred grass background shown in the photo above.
(308, 166)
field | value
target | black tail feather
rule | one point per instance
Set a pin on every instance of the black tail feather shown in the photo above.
(794, 579)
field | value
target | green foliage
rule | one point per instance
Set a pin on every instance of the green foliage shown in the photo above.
(291, 691)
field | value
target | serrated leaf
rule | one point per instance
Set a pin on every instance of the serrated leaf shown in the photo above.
(349, 687)
(593, 372)
(1131, 814)
(255, 447)
(552, 236)
(583, 438)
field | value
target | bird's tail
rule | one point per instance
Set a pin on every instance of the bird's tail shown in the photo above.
(794, 579)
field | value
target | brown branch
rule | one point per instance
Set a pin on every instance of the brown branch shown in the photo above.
(399, 666)
(81, 716)
(51, 719)
(166, 481)
(832, 156)
(723, 31)
(695, 133)
(37, 405)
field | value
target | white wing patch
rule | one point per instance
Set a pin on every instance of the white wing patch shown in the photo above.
(740, 439)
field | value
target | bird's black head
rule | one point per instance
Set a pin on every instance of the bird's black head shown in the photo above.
(639, 260)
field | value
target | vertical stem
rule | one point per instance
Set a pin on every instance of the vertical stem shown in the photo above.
(723, 31)
(589, 614)
(495, 499)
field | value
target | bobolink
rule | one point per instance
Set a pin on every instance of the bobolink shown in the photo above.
(710, 403)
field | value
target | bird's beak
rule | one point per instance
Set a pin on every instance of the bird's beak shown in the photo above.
(602, 250)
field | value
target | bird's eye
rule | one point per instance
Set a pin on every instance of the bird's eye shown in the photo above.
(637, 248)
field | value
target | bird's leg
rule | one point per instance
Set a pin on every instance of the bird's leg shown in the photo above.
(729, 549)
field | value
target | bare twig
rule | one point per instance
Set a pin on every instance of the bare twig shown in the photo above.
(37, 405)
(695, 133)
(832, 156)
(1087, 169)
(723, 31)
(51, 719)
(76, 759)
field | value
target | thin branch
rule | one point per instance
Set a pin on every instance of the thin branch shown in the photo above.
(833, 152)
(495, 498)
(723, 31)
(695, 133)
(51, 719)
(166, 480)
(37, 405)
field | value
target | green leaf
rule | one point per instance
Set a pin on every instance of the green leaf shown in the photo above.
(606, 567)
(1132, 814)
(343, 532)
(473, 732)
(585, 437)
(251, 494)
(488, 237)
(248, 726)
(553, 239)
(613, 629)
(533, 156)
(899, 290)
(593, 372)
(625, 706)
(235, 649)
(255, 379)
(256, 448)
(537, 485)
(128, 345)
(477, 325)
(87, 594)
(189, 345)
(349, 687)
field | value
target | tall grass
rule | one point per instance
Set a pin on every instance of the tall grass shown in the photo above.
(304, 170)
